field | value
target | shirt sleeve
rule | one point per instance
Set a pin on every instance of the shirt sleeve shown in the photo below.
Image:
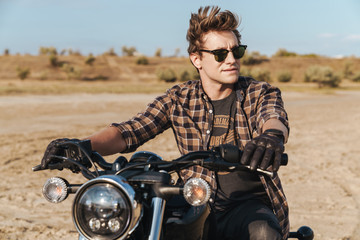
(147, 124)
(271, 106)
(266, 103)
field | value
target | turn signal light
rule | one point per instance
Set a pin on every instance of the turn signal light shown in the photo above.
(55, 189)
(196, 191)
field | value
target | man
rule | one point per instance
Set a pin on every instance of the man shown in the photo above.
(221, 107)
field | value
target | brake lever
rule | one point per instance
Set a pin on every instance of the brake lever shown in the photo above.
(215, 164)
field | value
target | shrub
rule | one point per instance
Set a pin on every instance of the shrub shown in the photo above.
(158, 52)
(167, 75)
(111, 52)
(245, 71)
(194, 74)
(142, 60)
(47, 51)
(356, 77)
(284, 53)
(347, 72)
(261, 75)
(74, 53)
(128, 51)
(63, 52)
(284, 76)
(253, 58)
(90, 59)
(71, 72)
(185, 76)
(22, 73)
(323, 75)
(53, 60)
(6, 52)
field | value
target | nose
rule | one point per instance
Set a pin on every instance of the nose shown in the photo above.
(230, 58)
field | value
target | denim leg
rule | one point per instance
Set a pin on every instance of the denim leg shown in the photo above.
(250, 220)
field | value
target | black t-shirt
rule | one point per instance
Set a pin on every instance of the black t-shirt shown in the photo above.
(239, 186)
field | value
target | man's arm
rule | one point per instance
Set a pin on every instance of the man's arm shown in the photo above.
(276, 124)
(107, 141)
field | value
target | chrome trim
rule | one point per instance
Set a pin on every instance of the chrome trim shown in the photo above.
(158, 206)
(123, 185)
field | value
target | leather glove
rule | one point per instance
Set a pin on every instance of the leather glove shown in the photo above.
(264, 151)
(53, 149)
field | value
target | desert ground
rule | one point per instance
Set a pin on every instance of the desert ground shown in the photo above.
(321, 181)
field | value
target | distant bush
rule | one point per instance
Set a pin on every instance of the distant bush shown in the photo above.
(185, 76)
(142, 60)
(90, 60)
(110, 52)
(48, 51)
(310, 55)
(356, 77)
(347, 72)
(53, 60)
(323, 75)
(194, 74)
(63, 52)
(22, 73)
(74, 53)
(158, 52)
(71, 72)
(6, 52)
(245, 72)
(284, 53)
(261, 75)
(128, 51)
(167, 75)
(43, 75)
(284, 76)
(253, 58)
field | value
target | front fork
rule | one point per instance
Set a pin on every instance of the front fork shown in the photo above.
(158, 207)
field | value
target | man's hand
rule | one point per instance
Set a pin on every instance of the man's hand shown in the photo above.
(53, 149)
(264, 151)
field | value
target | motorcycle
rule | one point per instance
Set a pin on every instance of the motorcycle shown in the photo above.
(142, 198)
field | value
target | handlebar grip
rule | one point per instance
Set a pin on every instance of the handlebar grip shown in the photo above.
(284, 159)
(37, 168)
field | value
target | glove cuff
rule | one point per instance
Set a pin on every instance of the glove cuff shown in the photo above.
(276, 133)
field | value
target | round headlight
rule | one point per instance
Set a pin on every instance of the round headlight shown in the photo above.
(104, 208)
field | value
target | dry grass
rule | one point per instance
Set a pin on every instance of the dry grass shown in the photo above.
(112, 74)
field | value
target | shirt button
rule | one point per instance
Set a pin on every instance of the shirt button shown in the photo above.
(210, 111)
(207, 131)
(211, 200)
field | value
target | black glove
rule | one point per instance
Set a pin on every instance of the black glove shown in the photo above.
(264, 151)
(53, 148)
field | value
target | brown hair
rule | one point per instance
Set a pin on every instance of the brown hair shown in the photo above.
(202, 22)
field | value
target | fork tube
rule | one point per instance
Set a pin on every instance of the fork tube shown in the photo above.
(158, 206)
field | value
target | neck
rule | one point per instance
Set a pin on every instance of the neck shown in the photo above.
(217, 91)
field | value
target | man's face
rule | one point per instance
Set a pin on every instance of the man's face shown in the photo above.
(215, 73)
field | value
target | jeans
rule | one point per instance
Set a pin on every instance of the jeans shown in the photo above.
(250, 220)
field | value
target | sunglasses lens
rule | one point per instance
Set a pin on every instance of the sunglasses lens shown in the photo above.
(220, 55)
(238, 52)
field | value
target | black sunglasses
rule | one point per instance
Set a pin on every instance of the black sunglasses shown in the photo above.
(221, 54)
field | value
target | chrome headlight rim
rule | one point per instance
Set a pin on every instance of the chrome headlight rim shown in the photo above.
(127, 191)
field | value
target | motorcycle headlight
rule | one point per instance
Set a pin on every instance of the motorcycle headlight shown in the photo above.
(105, 208)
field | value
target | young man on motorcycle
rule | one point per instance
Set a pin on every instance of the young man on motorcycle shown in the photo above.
(221, 107)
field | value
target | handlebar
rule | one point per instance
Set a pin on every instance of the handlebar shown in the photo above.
(222, 158)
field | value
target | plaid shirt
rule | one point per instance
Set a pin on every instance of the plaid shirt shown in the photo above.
(187, 110)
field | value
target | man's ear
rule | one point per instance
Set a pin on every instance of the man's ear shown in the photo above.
(196, 60)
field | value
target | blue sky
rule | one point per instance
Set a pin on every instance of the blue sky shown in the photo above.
(325, 27)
